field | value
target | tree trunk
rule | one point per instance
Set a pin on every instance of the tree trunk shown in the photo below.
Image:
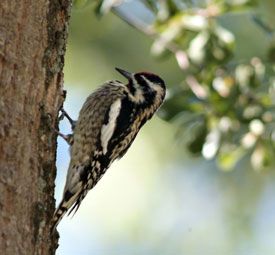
(33, 34)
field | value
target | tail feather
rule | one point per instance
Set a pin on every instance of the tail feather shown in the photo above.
(72, 199)
(77, 203)
(68, 200)
(58, 215)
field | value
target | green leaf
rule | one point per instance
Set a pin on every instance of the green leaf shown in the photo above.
(152, 5)
(196, 144)
(261, 157)
(229, 156)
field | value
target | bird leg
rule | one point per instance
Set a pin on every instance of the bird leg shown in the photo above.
(68, 138)
(65, 114)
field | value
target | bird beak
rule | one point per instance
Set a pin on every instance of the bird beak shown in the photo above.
(126, 74)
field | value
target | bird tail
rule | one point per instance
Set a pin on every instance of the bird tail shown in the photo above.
(68, 200)
(58, 215)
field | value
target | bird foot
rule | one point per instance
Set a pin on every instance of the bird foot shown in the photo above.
(65, 114)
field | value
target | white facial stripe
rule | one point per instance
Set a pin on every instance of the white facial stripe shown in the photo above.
(139, 93)
(138, 96)
(108, 129)
(153, 86)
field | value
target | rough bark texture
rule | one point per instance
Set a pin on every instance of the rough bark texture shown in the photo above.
(32, 46)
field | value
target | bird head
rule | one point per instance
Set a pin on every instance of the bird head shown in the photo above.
(144, 85)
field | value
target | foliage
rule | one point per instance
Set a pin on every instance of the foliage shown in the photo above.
(224, 103)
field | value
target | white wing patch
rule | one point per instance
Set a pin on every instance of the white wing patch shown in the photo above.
(108, 129)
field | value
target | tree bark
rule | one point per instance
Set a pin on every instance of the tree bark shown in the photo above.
(33, 34)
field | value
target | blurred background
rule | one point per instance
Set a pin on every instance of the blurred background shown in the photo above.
(199, 178)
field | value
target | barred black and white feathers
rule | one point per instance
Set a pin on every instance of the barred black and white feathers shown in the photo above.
(107, 125)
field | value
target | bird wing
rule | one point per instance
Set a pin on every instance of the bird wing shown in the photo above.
(125, 130)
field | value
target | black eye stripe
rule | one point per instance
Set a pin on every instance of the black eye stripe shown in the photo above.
(154, 79)
(141, 81)
(131, 87)
(142, 77)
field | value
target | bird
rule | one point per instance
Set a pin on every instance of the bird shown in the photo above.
(107, 125)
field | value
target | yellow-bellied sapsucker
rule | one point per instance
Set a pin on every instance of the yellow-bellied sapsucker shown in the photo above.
(107, 125)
